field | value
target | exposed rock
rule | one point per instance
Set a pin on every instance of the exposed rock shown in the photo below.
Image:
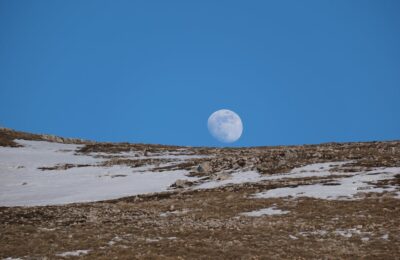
(222, 176)
(181, 184)
(204, 167)
(241, 162)
(206, 223)
(53, 138)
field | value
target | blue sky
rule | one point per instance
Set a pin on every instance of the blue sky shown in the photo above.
(153, 71)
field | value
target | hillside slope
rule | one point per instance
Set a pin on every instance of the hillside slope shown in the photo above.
(104, 200)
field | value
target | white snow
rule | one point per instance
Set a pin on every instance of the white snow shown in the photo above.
(236, 178)
(157, 239)
(36, 154)
(82, 185)
(174, 213)
(23, 184)
(346, 233)
(266, 211)
(135, 155)
(151, 240)
(74, 253)
(312, 170)
(314, 233)
(346, 188)
(114, 241)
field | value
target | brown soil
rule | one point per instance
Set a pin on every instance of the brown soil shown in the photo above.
(211, 228)
(207, 224)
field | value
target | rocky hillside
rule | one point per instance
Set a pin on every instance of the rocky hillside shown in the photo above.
(65, 198)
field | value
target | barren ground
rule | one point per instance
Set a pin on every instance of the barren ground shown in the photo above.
(186, 223)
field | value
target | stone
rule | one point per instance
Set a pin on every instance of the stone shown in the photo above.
(181, 184)
(204, 167)
(241, 162)
(222, 176)
(53, 138)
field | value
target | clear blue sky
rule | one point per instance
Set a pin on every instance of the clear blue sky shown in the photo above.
(153, 71)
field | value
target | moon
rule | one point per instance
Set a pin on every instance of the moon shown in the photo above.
(225, 126)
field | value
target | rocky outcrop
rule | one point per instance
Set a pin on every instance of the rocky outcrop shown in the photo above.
(181, 184)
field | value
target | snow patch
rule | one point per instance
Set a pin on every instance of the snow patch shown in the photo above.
(35, 154)
(74, 253)
(313, 170)
(345, 188)
(114, 241)
(346, 233)
(23, 184)
(152, 240)
(314, 233)
(236, 178)
(174, 213)
(266, 211)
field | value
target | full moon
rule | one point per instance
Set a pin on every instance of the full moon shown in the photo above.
(225, 125)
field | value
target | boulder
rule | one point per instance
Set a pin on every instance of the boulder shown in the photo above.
(181, 184)
(204, 167)
(222, 176)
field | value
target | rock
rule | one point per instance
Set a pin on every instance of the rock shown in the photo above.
(181, 184)
(282, 162)
(230, 197)
(241, 162)
(290, 154)
(204, 167)
(317, 155)
(53, 138)
(222, 176)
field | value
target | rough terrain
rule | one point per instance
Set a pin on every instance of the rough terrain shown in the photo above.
(334, 200)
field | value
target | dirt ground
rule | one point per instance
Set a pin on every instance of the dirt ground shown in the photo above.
(209, 224)
(206, 225)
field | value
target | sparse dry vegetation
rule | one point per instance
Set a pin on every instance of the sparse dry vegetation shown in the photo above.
(207, 224)
(211, 228)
